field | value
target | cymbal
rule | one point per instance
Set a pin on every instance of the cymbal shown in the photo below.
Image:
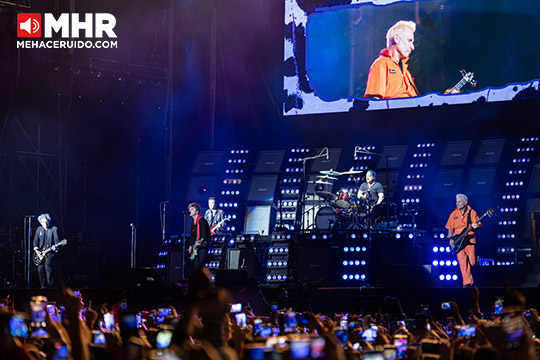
(352, 172)
(330, 172)
(326, 195)
(323, 182)
(327, 177)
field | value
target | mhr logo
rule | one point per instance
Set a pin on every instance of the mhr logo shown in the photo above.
(68, 25)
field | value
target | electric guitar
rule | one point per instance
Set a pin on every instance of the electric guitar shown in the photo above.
(194, 249)
(218, 225)
(39, 259)
(460, 238)
(467, 78)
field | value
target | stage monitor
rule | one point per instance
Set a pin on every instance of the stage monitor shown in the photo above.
(208, 162)
(456, 153)
(330, 46)
(269, 161)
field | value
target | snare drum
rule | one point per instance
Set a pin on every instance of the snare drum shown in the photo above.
(343, 199)
(325, 218)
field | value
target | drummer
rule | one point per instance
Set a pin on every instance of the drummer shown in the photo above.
(371, 191)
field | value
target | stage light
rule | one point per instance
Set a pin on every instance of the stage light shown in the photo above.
(353, 236)
(350, 277)
(357, 276)
(441, 236)
(448, 277)
(398, 236)
(351, 263)
(454, 263)
(411, 236)
(344, 277)
(441, 263)
(365, 236)
(441, 277)
(448, 263)
(268, 277)
(357, 262)
(363, 262)
(448, 249)
(454, 277)
(358, 249)
(435, 249)
(435, 263)
(346, 249)
(441, 249)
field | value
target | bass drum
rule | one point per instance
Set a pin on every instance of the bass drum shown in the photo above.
(325, 218)
(380, 213)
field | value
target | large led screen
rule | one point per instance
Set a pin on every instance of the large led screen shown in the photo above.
(330, 46)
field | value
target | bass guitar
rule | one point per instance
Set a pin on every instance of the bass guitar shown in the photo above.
(195, 249)
(467, 78)
(218, 225)
(39, 259)
(459, 239)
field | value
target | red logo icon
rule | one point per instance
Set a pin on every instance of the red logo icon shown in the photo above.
(29, 25)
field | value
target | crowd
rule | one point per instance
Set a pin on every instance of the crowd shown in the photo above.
(211, 326)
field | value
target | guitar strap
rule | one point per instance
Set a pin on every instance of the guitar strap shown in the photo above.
(197, 219)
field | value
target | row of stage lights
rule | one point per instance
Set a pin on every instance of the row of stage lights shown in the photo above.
(353, 276)
(280, 263)
(445, 262)
(354, 263)
(511, 197)
(230, 205)
(230, 192)
(419, 155)
(448, 277)
(234, 171)
(239, 151)
(529, 139)
(276, 277)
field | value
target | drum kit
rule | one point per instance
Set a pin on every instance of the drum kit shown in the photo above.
(344, 209)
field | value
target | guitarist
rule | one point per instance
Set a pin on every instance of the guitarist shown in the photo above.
(460, 219)
(214, 216)
(200, 236)
(46, 237)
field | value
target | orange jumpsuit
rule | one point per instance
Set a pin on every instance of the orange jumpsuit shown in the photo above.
(457, 222)
(386, 80)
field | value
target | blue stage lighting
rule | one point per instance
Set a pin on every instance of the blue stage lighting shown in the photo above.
(344, 277)
(345, 263)
(435, 263)
(435, 249)
(454, 277)
(448, 277)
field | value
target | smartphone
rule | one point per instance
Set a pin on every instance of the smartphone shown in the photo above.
(236, 308)
(273, 307)
(318, 345)
(466, 331)
(18, 327)
(266, 331)
(299, 349)
(373, 355)
(108, 321)
(498, 306)
(241, 320)
(51, 308)
(162, 314)
(98, 338)
(389, 352)
(400, 341)
(38, 306)
(514, 327)
(138, 318)
(445, 305)
(77, 293)
(163, 339)
(342, 336)
(290, 321)
(369, 335)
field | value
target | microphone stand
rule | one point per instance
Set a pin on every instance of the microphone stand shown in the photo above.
(184, 245)
(303, 188)
(133, 245)
(27, 248)
(162, 212)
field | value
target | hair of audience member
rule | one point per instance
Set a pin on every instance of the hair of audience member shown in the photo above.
(464, 353)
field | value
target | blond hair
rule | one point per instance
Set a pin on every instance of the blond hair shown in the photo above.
(397, 28)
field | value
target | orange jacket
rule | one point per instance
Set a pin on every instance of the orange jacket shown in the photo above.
(457, 222)
(386, 80)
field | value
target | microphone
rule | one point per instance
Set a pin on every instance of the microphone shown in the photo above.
(164, 202)
(185, 212)
(30, 216)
